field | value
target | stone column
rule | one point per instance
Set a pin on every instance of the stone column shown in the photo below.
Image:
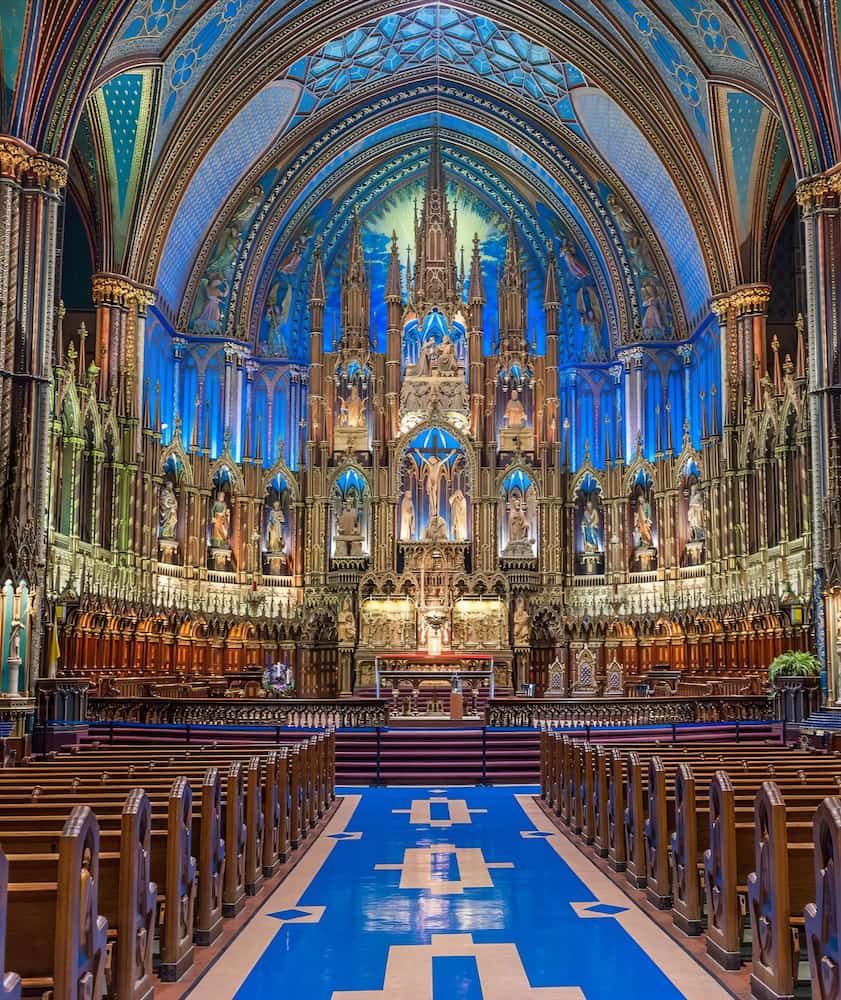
(31, 189)
(820, 204)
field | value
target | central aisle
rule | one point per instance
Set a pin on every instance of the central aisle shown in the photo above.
(450, 894)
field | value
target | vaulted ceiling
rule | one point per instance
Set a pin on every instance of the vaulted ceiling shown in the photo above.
(220, 133)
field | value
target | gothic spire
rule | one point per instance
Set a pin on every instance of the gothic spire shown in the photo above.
(477, 282)
(512, 295)
(435, 278)
(393, 282)
(551, 291)
(318, 294)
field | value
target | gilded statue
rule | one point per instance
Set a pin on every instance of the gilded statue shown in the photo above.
(220, 521)
(642, 524)
(352, 409)
(515, 413)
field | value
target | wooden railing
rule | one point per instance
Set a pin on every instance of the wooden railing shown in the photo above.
(580, 712)
(304, 713)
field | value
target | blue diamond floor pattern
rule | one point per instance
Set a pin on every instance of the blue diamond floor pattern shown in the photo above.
(528, 905)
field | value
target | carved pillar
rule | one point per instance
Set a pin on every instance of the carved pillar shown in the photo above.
(820, 203)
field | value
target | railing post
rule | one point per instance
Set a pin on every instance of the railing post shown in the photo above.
(674, 733)
(377, 778)
(738, 731)
(484, 755)
(187, 732)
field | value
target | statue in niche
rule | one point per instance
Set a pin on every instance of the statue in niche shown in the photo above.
(522, 624)
(352, 409)
(346, 623)
(220, 521)
(653, 319)
(518, 525)
(695, 514)
(590, 527)
(436, 529)
(515, 413)
(167, 511)
(275, 542)
(458, 516)
(642, 525)
(15, 639)
(348, 532)
(620, 214)
(407, 517)
(433, 473)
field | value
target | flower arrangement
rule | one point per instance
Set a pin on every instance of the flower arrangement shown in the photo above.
(793, 664)
(278, 681)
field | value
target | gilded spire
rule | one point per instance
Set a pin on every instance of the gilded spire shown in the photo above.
(435, 279)
(512, 295)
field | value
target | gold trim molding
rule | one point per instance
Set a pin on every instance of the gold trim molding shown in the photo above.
(17, 159)
(116, 289)
(741, 300)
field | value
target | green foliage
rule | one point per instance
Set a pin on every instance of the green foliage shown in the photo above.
(793, 664)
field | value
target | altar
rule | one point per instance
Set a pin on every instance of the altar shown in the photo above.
(457, 685)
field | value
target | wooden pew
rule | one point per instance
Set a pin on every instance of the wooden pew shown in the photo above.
(56, 937)
(822, 918)
(778, 892)
(9, 981)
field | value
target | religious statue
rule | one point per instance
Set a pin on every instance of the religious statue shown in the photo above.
(220, 521)
(695, 514)
(518, 525)
(458, 516)
(407, 517)
(352, 409)
(167, 510)
(447, 361)
(436, 529)
(522, 625)
(642, 524)
(590, 527)
(348, 531)
(433, 473)
(346, 623)
(590, 314)
(423, 365)
(515, 412)
(275, 541)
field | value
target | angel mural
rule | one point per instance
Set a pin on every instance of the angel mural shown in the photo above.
(590, 313)
(653, 309)
(435, 503)
(575, 265)
(518, 521)
(209, 310)
(280, 301)
(589, 517)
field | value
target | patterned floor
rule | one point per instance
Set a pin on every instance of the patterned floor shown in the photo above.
(450, 894)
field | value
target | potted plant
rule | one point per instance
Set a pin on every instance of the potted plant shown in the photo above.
(796, 679)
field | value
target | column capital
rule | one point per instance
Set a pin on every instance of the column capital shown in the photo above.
(741, 300)
(118, 290)
(812, 191)
(17, 159)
